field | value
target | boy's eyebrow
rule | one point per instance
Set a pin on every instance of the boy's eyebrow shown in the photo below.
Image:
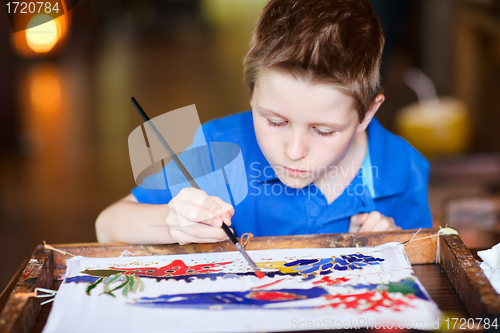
(333, 125)
(270, 111)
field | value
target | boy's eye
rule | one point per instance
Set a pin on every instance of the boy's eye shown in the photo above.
(276, 124)
(325, 134)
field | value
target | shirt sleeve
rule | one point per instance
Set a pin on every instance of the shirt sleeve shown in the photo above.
(152, 190)
(412, 210)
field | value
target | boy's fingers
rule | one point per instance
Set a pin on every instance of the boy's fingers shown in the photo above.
(386, 224)
(218, 220)
(227, 211)
(359, 219)
(202, 199)
(224, 205)
(382, 225)
(226, 218)
(203, 233)
(193, 212)
(353, 228)
(371, 221)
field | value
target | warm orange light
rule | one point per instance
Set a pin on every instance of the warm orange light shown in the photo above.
(42, 37)
(45, 90)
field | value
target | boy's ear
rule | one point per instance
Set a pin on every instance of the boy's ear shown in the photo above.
(370, 113)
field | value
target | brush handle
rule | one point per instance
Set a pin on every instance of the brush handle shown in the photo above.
(176, 159)
(228, 231)
(191, 180)
(193, 183)
(165, 145)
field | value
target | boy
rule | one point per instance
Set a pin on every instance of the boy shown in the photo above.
(316, 159)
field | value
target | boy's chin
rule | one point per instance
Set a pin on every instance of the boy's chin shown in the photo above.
(295, 183)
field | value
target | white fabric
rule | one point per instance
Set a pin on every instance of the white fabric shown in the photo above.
(491, 265)
(75, 311)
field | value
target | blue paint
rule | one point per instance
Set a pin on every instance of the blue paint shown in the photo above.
(301, 262)
(309, 277)
(226, 300)
(340, 268)
(328, 265)
(370, 287)
(81, 279)
(341, 261)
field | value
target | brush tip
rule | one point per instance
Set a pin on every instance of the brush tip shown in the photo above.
(259, 274)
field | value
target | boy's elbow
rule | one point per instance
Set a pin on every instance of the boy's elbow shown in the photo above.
(103, 227)
(107, 224)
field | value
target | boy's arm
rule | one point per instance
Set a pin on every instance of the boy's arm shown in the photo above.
(131, 222)
(192, 216)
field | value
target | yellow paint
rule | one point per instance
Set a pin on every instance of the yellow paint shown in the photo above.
(276, 265)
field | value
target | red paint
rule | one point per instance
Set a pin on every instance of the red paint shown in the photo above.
(259, 274)
(368, 304)
(329, 282)
(273, 296)
(175, 268)
(269, 284)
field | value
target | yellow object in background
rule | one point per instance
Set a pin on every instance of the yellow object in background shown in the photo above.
(441, 126)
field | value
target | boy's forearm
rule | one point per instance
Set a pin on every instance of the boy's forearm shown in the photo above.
(135, 223)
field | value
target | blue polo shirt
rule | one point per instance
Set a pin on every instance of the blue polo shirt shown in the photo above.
(392, 180)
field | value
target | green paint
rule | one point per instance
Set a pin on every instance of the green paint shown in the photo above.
(141, 284)
(109, 282)
(101, 272)
(127, 279)
(93, 285)
(406, 286)
(131, 283)
(135, 283)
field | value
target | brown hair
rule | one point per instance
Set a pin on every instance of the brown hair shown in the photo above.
(331, 41)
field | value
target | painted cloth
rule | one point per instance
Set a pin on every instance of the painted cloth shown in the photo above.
(393, 180)
(218, 292)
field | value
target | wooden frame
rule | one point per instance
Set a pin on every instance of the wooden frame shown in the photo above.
(471, 285)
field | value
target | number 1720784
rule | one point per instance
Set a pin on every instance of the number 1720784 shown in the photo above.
(32, 7)
(470, 324)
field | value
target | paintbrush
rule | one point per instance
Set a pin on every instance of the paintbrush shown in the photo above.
(193, 183)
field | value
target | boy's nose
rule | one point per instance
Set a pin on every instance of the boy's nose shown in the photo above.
(296, 147)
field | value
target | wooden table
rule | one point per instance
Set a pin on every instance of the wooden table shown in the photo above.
(445, 267)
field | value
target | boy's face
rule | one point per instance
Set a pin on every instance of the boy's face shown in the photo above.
(303, 129)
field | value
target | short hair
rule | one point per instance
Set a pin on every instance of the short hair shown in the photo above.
(326, 41)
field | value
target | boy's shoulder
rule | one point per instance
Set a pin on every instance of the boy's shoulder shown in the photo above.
(395, 160)
(235, 127)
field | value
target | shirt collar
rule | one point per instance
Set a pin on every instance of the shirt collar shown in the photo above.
(389, 168)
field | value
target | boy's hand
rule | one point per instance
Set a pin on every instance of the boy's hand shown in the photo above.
(196, 217)
(373, 221)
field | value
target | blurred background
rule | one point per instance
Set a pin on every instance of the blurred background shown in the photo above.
(65, 113)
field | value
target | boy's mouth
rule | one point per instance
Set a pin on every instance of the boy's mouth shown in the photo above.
(294, 172)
